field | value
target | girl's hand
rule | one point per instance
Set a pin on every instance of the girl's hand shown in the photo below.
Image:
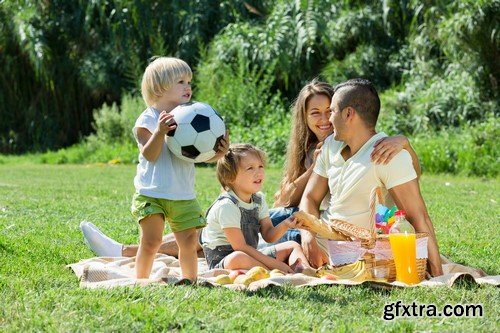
(222, 148)
(293, 223)
(387, 148)
(166, 123)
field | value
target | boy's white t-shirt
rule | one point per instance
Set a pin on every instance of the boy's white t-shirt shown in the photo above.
(225, 214)
(168, 177)
(351, 182)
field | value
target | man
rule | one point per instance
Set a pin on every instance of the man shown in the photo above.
(344, 168)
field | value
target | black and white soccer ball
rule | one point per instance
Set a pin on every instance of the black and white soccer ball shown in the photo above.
(198, 133)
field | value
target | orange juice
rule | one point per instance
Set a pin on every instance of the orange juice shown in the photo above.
(404, 250)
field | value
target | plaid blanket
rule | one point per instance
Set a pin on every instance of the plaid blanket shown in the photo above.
(107, 272)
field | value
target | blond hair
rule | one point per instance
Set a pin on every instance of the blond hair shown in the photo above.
(160, 75)
(302, 139)
(227, 166)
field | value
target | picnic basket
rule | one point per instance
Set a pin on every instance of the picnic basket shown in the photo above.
(344, 231)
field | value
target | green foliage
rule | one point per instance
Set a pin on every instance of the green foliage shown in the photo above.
(251, 111)
(472, 151)
(471, 36)
(112, 142)
(438, 103)
(285, 42)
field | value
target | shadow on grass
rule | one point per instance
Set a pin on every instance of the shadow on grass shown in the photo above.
(316, 294)
(6, 249)
(467, 282)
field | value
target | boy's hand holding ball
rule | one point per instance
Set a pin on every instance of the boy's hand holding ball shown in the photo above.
(166, 123)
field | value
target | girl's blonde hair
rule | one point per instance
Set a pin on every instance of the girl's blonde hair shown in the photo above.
(160, 75)
(227, 166)
(302, 139)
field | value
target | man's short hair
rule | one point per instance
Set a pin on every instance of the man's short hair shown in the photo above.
(361, 95)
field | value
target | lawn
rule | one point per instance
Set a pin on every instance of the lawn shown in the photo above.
(41, 207)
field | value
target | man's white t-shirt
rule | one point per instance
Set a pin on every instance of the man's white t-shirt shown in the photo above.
(225, 214)
(168, 177)
(351, 182)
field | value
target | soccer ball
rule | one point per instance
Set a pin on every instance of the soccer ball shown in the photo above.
(198, 133)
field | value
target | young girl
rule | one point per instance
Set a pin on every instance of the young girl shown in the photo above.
(235, 219)
(164, 183)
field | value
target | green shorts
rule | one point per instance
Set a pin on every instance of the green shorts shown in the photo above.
(180, 214)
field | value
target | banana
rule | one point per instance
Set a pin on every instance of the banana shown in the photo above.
(362, 274)
(348, 272)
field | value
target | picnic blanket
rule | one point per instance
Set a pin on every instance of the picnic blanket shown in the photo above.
(107, 272)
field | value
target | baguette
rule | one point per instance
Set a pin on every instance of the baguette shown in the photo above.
(323, 229)
(351, 230)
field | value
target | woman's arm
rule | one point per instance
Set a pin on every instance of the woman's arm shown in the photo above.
(291, 193)
(386, 148)
(238, 243)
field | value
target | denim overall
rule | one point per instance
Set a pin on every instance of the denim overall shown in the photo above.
(250, 228)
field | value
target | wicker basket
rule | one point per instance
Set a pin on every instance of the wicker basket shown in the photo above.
(369, 258)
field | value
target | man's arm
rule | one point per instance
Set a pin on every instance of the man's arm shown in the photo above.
(315, 191)
(407, 196)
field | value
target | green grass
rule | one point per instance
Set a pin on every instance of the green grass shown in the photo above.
(41, 207)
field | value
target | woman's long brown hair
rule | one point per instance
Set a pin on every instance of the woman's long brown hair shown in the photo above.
(302, 139)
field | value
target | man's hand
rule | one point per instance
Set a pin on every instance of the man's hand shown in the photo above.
(293, 223)
(316, 257)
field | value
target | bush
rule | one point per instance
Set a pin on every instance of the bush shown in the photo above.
(251, 111)
(471, 150)
(112, 142)
(435, 104)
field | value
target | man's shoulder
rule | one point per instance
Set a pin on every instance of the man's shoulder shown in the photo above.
(332, 144)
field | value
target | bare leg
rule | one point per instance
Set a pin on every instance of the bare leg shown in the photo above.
(241, 260)
(187, 241)
(292, 253)
(168, 247)
(151, 235)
